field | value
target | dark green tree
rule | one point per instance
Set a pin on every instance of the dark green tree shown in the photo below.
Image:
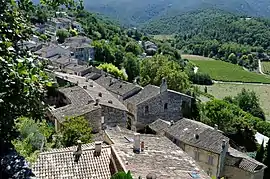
(74, 129)
(260, 153)
(267, 162)
(62, 34)
(132, 66)
(134, 48)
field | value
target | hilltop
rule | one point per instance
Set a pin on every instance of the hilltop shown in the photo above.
(136, 12)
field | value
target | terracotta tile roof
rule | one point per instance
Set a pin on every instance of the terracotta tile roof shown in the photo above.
(209, 139)
(243, 161)
(60, 164)
(160, 156)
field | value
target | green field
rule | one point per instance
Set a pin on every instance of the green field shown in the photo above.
(222, 90)
(266, 67)
(223, 71)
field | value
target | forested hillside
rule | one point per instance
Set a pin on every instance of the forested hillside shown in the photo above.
(217, 34)
(132, 12)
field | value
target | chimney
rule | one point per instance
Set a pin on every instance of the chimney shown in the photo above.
(197, 134)
(85, 87)
(111, 81)
(137, 144)
(77, 154)
(91, 84)
(98, 148)
(163, 86)
(97, 102)
(223, 144)
(216, 127)
(171, 123)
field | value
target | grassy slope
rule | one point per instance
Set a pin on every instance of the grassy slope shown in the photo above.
(266, 67)
(223, 71)
(222, 90)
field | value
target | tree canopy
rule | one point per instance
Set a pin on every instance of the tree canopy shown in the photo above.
(157, 67)
(110, 68)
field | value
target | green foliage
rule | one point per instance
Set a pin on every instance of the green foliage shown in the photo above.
(23, 81)
(73, 32)
(110, 68)
(260, 153)
(74, 129)
(43, 37)
(134, 48)
(267, 162)
(122, 175)
(236, 124)
(132, 66)
(248, 101)
(223, 71)
(157, 67)
(33, 137)
(62, 34)
(217, 34)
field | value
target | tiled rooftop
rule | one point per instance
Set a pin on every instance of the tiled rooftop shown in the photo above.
(209, 139)
(95, 90)
(159, 125)
(161, 157)
(59, 164)
(244, 161)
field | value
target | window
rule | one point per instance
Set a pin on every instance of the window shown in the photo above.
(146, 109)
(165, 106)
(197, 155)
(210, 160)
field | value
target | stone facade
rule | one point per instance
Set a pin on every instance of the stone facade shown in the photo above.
(113, 116)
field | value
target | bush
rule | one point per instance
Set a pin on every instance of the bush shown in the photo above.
(62, 34)
(200, 78)
(110, 68)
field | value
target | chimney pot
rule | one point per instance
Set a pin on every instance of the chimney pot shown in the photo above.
(196, 134)
(98, 148)
(223, 143)
(216, 127)
(172, 123)
(136, 146)
(163, 86)
(84, 87)
(97, 102)
(91, 84)
(77, 154)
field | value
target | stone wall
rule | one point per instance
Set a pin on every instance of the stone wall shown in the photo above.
(94, 119)
(211, 170)
(113, 116)
(167, 106)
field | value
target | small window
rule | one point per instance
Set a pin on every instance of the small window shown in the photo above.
(197, 155)
(210, 160)
(146, 109)
(165, 106)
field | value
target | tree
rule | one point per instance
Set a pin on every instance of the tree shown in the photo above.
(232, 58)
(110, 68)
(62, 34)
(73, 32)
(74, 129)
(260, 153)
(153, 69)
(267, 162)
(249, 102)
(122, 175)
(132, 66)
(134, 48)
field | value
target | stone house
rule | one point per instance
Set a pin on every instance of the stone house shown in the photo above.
(157, 156)
(81, 48)
(113, 112)
(211, 149)
(61, 22)
(153, 102)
